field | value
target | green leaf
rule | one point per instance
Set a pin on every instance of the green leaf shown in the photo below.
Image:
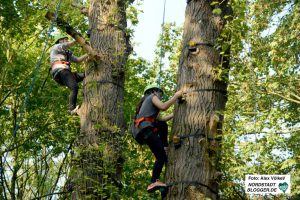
(214, 3)
(217, 11)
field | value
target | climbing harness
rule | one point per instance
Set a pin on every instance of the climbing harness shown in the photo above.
(192, 183)
(143, 119)
(60, 62)
(31, 87)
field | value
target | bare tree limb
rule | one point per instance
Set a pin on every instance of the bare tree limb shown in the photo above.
(61, 167)
(72, 32)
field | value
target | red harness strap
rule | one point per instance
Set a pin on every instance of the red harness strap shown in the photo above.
(60, 62)
(141, 119)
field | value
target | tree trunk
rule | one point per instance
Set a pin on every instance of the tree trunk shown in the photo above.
(192, 167)
(98, 159)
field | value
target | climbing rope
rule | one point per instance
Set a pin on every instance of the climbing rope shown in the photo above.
(161, 51)
(30, 88)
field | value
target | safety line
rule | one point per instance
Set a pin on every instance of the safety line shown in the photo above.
(161, 52)
(31, 87)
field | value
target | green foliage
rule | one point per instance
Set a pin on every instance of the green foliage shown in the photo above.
(261, 127)
(38, 156)
(261, 120)
(137, 171)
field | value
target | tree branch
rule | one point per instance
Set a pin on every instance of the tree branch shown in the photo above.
(284, 97)
(61, 167)
(72, 32)
(296, 96)
(55, 193)
(7, 95)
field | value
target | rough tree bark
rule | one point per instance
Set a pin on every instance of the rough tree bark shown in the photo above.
(97, 166)
(192, 168)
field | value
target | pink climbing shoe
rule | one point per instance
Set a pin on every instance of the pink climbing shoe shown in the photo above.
(155, 186)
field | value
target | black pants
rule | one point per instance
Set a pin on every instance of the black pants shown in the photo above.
(157, 140)
(70, 79)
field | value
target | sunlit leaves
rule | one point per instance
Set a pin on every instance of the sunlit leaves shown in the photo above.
(262, 109)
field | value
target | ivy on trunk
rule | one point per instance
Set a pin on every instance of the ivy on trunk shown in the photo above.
(192, 168)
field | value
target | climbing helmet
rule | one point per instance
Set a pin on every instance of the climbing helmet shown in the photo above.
(152, 86)
(59, 37)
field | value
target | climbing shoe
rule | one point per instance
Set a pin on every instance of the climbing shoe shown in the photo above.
(74, 111)
(156, 186)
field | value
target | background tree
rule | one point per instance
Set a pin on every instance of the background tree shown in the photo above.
(261, 131)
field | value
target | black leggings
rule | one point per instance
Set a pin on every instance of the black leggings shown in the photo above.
(156, 142)
(69, 79)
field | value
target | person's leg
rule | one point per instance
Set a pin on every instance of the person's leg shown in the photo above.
(162, 131)
(68, 79)
(79, 76)
(157, 148)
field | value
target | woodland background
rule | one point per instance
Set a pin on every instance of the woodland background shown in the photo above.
(261, 127)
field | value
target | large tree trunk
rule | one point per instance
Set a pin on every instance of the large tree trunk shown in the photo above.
(98, 164)
(192, 168)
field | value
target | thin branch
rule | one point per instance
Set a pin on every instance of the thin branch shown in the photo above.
(3, 100)
(269, 133)
(294, 95)
(3, 179)
(30, 137)
(55, 193)
(61, 166)
(284, 97)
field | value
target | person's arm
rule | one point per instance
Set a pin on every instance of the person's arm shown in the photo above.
(165, 105)
(67, 45)
(165, 118)
(79, 59)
